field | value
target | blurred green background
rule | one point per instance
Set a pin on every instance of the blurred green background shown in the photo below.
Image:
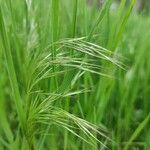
(63, 60)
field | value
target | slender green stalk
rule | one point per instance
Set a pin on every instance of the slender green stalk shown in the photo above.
(123, 24)
(74, 23)
(74, 20)
(11, 71)
(55, 25)
(99, 19)
(137, 131)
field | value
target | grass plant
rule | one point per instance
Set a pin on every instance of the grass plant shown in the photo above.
(74, 75)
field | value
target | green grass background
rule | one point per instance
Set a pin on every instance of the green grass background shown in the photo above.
(74, 76)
